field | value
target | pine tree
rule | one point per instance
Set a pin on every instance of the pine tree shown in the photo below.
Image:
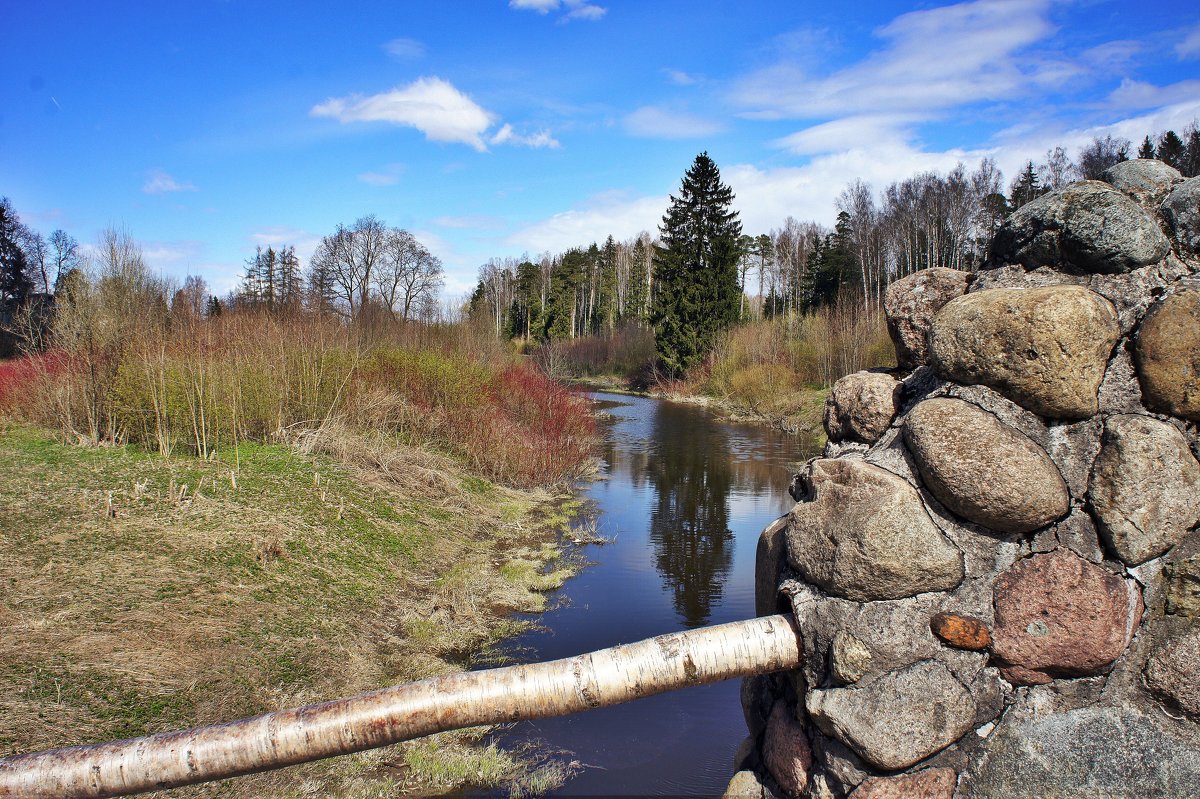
(1025, 187)
(15, 282)
(1191, 161)
(696, 268)
(1171, 150)
(1147, 148)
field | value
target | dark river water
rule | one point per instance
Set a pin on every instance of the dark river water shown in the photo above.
(684, 496)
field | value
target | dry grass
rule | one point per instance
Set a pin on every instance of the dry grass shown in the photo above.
(140, 593)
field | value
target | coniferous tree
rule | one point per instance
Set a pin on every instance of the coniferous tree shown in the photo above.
(1171, 150)
(1025, 187)
(696, 268)
(15, 282)
(1191, 160)
(1147, 148)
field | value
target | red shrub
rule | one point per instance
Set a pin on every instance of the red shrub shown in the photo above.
(19, 377)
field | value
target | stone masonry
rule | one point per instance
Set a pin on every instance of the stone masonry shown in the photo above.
(995, 567)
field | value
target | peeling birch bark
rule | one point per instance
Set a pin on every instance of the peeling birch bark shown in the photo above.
(390, 715)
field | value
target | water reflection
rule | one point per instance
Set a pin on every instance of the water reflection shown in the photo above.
(689, 522)
(683, 496)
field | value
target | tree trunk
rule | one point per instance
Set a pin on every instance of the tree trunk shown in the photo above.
(387, 716)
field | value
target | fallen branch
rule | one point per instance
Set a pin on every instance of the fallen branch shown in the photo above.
(390, 715)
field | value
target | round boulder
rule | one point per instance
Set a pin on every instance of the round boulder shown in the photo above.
(1088, 225)
(1145, 487)
(1167, 355)
(1057, 615)
(1146, 181)
(861, 406)
(1182, 212)
(898, 719)
(910, 304)
(1045, 348)
(982, 469)
(862, 533)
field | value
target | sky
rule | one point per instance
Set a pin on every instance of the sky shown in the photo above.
(506, 128)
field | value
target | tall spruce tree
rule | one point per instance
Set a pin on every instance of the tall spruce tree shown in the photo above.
(695, 268)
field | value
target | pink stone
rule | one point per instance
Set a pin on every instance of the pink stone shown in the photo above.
(934, 783)
(1057, 615)
(786, 751)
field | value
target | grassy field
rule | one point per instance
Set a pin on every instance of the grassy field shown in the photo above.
(141, 593)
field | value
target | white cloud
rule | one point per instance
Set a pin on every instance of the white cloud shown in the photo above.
(171, 256)
(573, 9)
(655, 122)
(1190, 46)
(404, 49)
(845, 134)
(431, 105)
(681, 78)
(585, 11)
(159, 182)
(1134, 95)
(388, 176)
(540, 6)
(606, 214)
(931, 60)
(536, 140)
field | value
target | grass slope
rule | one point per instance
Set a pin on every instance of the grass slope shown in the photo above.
(141, 593)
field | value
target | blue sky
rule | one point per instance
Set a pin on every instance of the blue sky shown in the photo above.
(497, 128)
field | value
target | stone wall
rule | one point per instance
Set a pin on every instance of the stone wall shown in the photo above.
(995, 567)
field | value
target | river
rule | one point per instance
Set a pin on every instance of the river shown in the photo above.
(684, 496)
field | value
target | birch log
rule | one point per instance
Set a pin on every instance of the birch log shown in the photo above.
(387, 716)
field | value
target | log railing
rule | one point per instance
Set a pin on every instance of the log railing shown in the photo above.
(390, 715)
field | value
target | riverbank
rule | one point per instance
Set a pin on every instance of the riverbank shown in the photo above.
(798, 412)
(145, 593)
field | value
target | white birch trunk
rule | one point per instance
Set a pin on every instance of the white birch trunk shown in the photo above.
(387, 716)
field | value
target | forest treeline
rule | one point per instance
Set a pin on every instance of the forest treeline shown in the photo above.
(370, 273)
(929, 219)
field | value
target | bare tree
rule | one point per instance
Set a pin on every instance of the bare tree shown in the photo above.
(64, 253)
(348, 259)
(407, 274)
(1098, 156)
(1058, 170)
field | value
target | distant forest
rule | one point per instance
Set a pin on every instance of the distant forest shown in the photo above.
(929, 219)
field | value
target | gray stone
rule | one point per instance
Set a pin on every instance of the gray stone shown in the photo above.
(861, 406)
(863, 533)
(910, 304)
(746, 785)
(1173, 671)
(849, 658)
(1167, 354)
(899, 718)
(1088, 225)
(1181, 578)
(1146, 181)
(1090, 753)
(770, 557)
(1145, 490)
(982, 469)
(1181, 209)
(1044, 348)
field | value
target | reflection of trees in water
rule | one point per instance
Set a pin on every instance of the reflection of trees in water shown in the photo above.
(689, 523)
